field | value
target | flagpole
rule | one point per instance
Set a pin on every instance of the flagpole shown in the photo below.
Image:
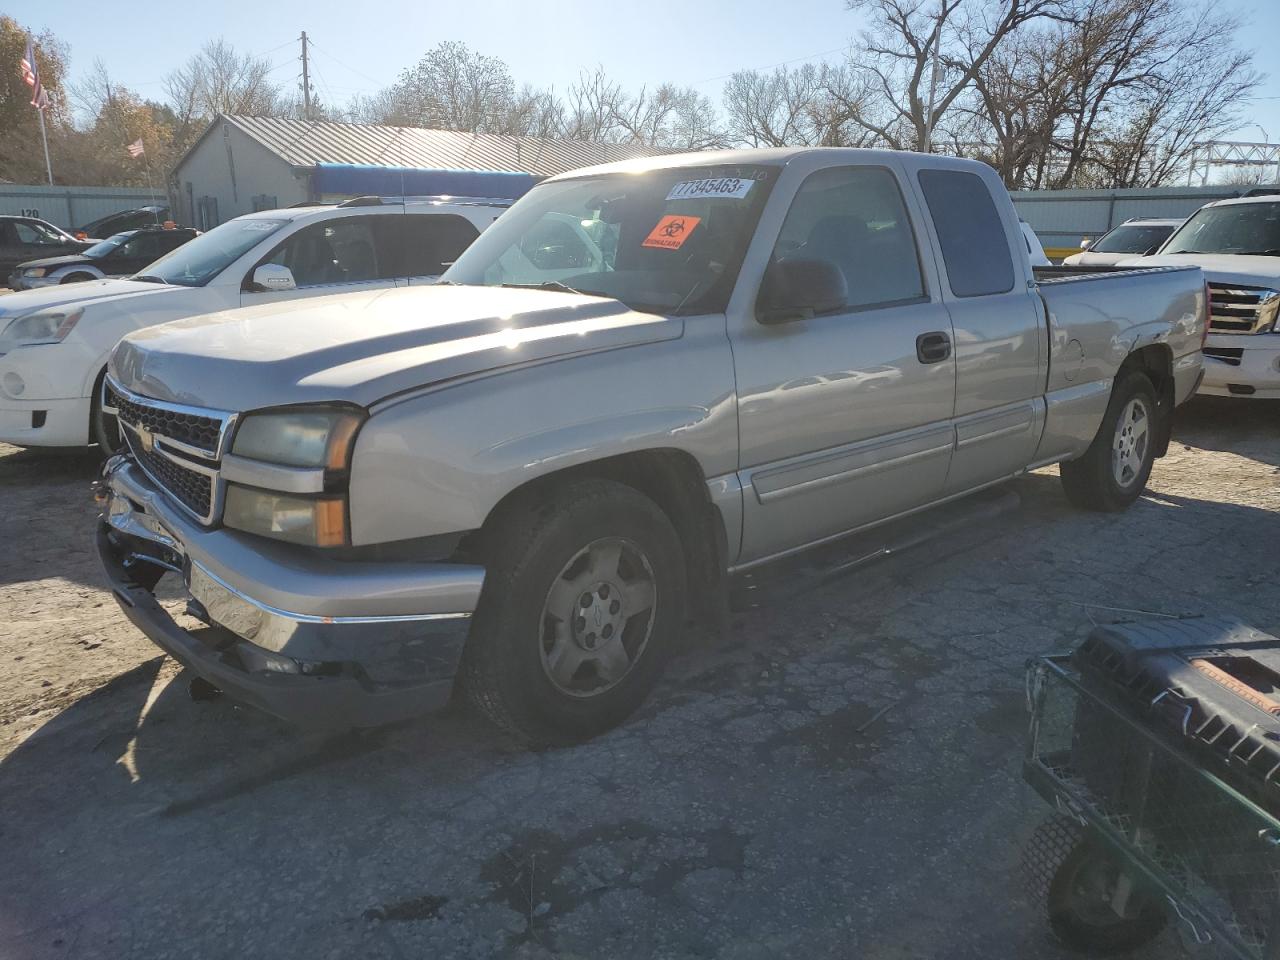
(151, 189)
(48, 168)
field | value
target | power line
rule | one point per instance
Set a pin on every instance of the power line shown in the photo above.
(287, 43)
(358, 73)
(282, 64)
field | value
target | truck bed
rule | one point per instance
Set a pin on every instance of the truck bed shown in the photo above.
(1058, 274)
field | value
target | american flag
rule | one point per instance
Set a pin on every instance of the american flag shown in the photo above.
(31, 76)
(135, 149)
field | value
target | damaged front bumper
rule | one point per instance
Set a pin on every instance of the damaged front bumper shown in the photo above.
(316, 641)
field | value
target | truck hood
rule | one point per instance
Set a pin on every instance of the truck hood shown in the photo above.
(58, 261)
(115, 293)
(364, 347)
(1224, 268)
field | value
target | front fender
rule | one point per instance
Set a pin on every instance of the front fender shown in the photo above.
(439, 462)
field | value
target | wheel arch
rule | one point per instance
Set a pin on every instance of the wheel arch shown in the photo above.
(675, 481)
(87, 274)
(1156, 361)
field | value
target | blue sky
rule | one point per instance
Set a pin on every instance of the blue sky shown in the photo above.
(695, 42)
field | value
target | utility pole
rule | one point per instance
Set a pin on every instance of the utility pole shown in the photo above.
(933, 79)
(306, 80)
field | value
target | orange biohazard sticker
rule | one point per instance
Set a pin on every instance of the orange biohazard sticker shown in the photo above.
(671, 232)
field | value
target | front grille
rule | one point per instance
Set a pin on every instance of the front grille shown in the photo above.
(1229, 355)
(192, 429)
(194, 490)
(180, 448)
(1238, 309)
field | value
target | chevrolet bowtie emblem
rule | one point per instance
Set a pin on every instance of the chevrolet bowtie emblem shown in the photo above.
(146, 439)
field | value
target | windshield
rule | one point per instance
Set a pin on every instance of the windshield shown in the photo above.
(198, 261)
(1132, 238)
(1238, 228)
(104, 247)
(668, 241)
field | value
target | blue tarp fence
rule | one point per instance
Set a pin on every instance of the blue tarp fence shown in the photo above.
(358, 180)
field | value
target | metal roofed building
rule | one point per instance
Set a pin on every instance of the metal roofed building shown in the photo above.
(241, 164)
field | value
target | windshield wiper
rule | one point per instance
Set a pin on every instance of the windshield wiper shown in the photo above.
(149, 278)
(553, 285)
(1269, 252)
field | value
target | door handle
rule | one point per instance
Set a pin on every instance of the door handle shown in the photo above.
(933, 347)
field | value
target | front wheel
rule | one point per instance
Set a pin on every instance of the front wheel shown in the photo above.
(583, 601)
(1114, 470)
(77, 278)
(104, 428)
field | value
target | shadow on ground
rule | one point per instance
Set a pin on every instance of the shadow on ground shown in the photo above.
(837, 778)
(1250, 428)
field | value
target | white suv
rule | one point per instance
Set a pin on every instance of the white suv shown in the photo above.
(1237, 244)
(1133, 238)
(54, 342)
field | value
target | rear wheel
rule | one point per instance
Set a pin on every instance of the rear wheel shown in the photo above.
(583, 602)
(1114, 470)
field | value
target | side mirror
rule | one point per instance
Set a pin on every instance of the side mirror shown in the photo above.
(1084, 243)
(271, 277)
(797, 289)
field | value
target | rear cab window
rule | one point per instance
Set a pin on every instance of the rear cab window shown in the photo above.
(975, 247)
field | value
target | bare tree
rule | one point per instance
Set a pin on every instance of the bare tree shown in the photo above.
(669, 116)
(536, 113)
(454, 88)
(597, 109)
(594, 102)
(814, 104)
(216, 80)
(897, 55)
(1115, 97)
(1148, 78)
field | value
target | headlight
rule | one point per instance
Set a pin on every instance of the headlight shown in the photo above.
(46, 326)
(35, 271)
(1269, 304)
(314, 521)
(315, 443)
(299, 438)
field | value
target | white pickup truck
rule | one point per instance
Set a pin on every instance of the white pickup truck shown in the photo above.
(1237, 245)
(54, 342)
(642, 378)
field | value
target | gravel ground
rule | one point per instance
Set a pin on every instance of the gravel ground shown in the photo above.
(838, 777)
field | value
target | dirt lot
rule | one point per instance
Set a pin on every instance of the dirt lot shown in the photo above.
(837, 778)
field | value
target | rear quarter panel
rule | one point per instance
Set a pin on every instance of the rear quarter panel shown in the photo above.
(439, 461)
(1095, 322)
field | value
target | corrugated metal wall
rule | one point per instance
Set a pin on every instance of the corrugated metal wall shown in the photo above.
(69, 207)
(1061, 218)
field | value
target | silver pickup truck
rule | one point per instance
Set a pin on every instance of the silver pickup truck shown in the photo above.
(525, 482)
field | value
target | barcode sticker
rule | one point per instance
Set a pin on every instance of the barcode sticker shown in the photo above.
(730, 188)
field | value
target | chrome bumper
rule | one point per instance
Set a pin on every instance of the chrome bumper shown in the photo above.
(315, 641)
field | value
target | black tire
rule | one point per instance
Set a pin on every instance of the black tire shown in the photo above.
(530, 550)
(104, 429)
(1090, 481)
(1068, 872)
(77, 278)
